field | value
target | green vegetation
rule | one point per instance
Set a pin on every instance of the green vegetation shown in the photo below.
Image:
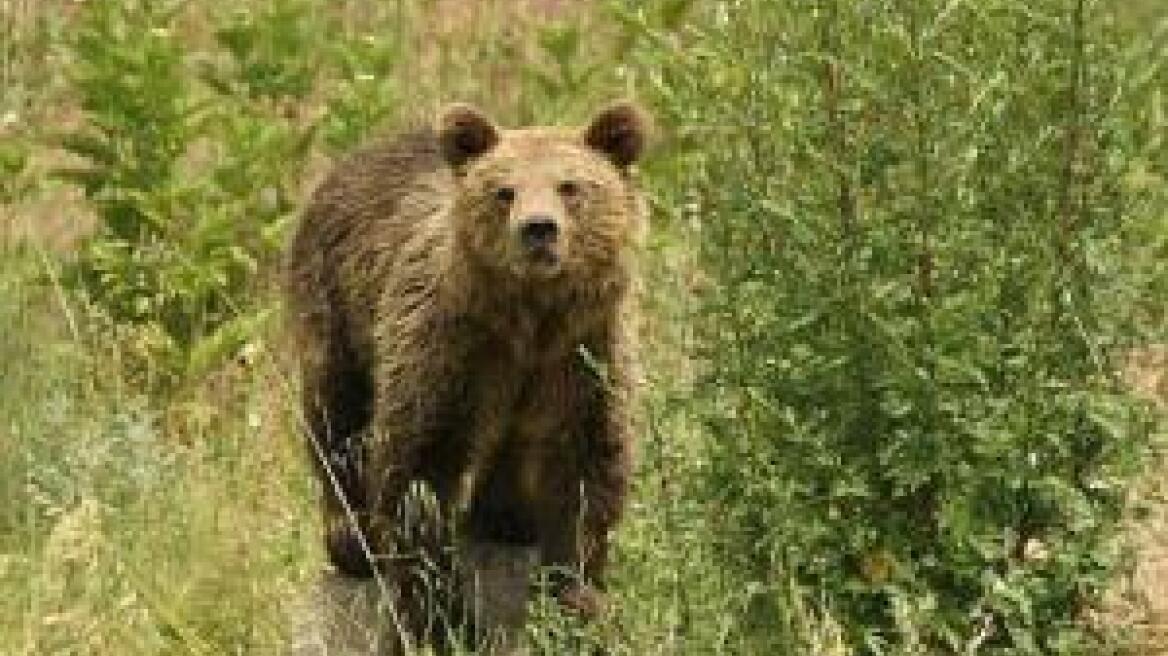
(902, 250)
(920, 297)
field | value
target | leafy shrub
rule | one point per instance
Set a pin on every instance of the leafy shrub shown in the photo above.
(190, 187)
(272, 52)
(13, 164)
(365, 93)
(915, 221)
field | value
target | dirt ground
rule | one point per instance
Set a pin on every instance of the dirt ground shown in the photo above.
(342, 616)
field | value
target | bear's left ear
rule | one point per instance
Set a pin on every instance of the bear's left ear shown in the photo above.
(620, 132)
(465, 133)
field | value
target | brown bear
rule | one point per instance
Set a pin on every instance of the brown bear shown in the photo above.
(463, 302)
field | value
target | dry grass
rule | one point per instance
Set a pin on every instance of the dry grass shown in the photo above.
(1142, 600)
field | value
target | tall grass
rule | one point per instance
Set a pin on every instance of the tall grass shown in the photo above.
(126, 531)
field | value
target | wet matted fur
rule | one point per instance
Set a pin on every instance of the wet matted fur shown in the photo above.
(463, 302)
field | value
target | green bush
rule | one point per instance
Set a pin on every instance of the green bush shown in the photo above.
(916, 224)
(13, 164)
(273, 52)
(365, 94)
(191, 183)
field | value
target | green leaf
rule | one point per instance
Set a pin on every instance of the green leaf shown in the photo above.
(212, 350)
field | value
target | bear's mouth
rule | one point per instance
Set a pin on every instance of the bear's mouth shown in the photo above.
(542, 260)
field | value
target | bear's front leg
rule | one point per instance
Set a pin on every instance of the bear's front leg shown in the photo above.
(585, 488)
(414, 521)
(410, 491)
(585, 465)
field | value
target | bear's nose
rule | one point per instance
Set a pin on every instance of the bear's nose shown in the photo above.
(538, 231)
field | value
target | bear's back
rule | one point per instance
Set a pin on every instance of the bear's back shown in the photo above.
(359, 219)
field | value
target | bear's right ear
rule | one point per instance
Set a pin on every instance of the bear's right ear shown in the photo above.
(465, 133)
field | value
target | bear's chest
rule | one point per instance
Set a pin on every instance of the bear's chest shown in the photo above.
(521, 397)
(518, 416)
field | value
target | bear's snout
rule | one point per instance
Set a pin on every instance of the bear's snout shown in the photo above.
(539, 233)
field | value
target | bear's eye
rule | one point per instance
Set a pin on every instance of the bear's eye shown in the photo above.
(505, 194)
(568, 188)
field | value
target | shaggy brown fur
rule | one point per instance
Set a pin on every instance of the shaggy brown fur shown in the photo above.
(447, 339)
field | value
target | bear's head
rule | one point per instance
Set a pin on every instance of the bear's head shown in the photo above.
(539, 205)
